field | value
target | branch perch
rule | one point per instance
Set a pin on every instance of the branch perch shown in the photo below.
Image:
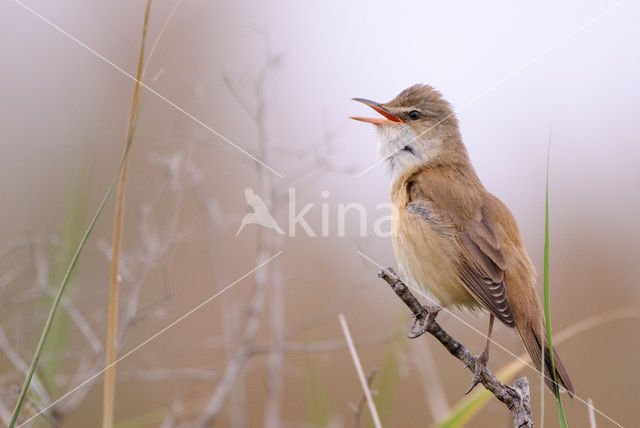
(515, 398)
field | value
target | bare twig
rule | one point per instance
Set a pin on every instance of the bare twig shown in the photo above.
(241, 346)
(522, 410)
(155, 247)
(516, 399)
(266, 278)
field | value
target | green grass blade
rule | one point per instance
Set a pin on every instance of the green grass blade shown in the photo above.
(65, 281)
(547, 303)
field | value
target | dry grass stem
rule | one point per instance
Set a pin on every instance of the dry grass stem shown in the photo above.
(361, 376)
(112, 312)
(592, 415)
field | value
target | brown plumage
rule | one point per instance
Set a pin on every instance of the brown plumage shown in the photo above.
(450, 235)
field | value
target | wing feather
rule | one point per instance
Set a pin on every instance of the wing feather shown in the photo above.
(482, 270)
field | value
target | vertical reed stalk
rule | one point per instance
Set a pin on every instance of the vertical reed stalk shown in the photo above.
(112, 313)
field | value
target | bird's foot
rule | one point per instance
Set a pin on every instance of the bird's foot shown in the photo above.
(480, 361)
(420, 322)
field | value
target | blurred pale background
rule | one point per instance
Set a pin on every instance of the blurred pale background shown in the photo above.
(513, 72)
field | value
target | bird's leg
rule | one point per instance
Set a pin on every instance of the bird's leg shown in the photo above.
(423, 321)
(482, 359)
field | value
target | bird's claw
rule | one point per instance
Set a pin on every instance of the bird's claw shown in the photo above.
(423, 321)
(480, 361)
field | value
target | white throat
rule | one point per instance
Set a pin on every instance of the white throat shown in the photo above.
(401, 149)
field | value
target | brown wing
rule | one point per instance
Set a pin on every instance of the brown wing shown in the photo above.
(482, 267)
(482, 262)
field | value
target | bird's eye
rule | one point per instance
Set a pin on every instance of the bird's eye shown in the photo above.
(414, 114)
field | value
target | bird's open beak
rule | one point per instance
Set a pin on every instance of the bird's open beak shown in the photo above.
(388, 117)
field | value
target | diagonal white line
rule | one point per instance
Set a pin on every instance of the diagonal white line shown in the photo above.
(152, 337)
(421, 293)
(147, 87)
(505, 78)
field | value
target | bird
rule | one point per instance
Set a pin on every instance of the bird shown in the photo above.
(260, 214)
(450, 236)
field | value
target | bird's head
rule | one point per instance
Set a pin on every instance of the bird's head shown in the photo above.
(417, 127)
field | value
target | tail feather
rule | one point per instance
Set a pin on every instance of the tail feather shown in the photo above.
(532, 342)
